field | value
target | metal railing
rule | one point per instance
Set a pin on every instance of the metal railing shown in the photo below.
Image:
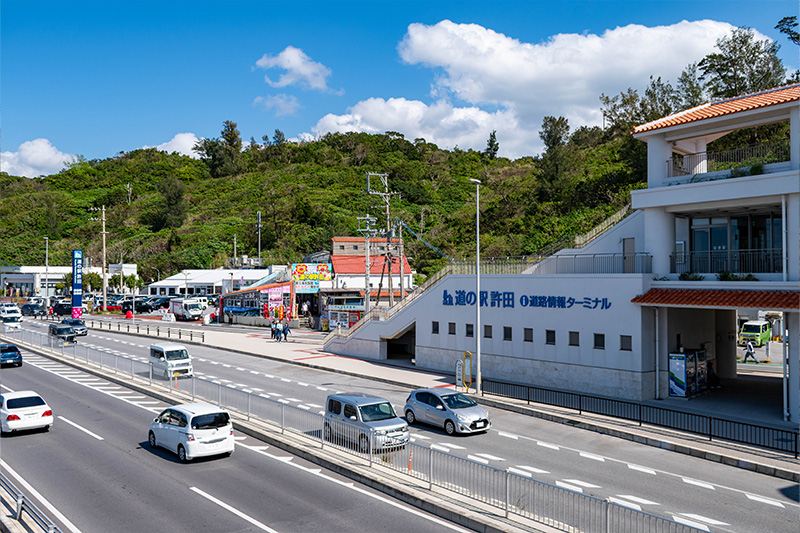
(25, 505)
(766, 261)
(738, 158)
(783, 440)
(513, 493)
(636, 263)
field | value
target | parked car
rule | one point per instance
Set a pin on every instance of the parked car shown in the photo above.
(11, 321)
(61, 334)
(451, 410)
(62, 309)
(193, 430)
(10, 355)
(161, 303)
(78, 325)
(33, 310)
(140, 305)
(366, 420)
(23, 410)
(10, 310)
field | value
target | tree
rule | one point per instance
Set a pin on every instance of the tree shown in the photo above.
(690, 89)
(492, 146)
(171, 210)
(788, 26)
(742, 65)
(231, 136)
(92, 280)
(554, 132)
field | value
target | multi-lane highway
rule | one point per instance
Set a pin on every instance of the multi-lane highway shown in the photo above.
(704, 494)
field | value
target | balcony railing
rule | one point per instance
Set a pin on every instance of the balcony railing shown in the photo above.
(637, 263)
(767, 261)
(734, 160)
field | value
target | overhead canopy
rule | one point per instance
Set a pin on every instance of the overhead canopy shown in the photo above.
(720, 299)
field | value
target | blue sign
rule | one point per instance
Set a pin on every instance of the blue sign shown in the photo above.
(507, 299)
(77, 283)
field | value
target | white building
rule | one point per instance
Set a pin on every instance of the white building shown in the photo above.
(202, 282)
(609, 318)
(38, 280)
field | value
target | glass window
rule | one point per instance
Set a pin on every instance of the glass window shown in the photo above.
(626, 343)
(506, 333)
(599, 341)
(487, 331)
(211, 421)
(451, 328)
(434, 328)
(528, 335)
(549, 336)
(470, 330)
(376, 412)
(350, 411)
(335, 406)
(574, 338)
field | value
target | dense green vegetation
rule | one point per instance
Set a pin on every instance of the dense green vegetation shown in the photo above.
(170, 212)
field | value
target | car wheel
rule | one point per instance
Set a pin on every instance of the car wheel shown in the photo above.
(410, 418)
(182, 454)
(151, 439)
(327, 432)
(363, 444)
(450, 428)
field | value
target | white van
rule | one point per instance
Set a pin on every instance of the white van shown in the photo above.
(170, 359)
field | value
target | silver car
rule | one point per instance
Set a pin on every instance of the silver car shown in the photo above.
(78, 326)
(369, 421)
(451, 410)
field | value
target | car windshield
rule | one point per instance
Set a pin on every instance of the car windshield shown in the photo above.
(751, 328)
(8, 349)
(177, 355)
(457, 401)
(66, 330)
(193, 307)
(21, 403)
(211, 421)
(74, 322)
(377, 411)
(10, 319)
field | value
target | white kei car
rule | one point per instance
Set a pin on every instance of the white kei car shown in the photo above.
(22, 410)
(193, 430)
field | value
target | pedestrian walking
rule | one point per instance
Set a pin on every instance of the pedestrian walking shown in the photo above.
(278, 331)
(286, 330)
(750, 352)
(305, 308)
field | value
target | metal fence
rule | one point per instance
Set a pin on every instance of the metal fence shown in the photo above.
(783, 440)
(24, 505)
(738, 158)
(767, 260)
(510, 492)
(608, 263)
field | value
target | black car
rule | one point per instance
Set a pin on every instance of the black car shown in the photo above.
(63, 333)
(10, 355)
(62, 310)
(161, 303)
(33, 310)
(141, 306)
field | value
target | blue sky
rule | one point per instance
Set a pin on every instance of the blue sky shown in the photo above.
(97, 78)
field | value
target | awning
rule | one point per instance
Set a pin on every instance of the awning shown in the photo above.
(720, 299)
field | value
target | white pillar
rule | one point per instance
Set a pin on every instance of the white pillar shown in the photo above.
(793, 235)
(793, 360)
(659, 238)
(794, 136)
(658, 152)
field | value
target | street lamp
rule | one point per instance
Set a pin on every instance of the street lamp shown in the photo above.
(185, 284)
(103, 220)
(159, 272)
(477, 284)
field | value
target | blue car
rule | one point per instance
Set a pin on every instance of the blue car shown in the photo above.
(10, 355)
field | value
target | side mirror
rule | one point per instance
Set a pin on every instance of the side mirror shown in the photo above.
(440, 407)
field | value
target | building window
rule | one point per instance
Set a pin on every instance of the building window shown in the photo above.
(599, 341)
(470, 330)
(506, 333)
(451, 328)
(626, 343)
(341, 247)
(355, 247)
(574, 338)
(487, 331)
(434, 328)
(550, 336)
(528, 334)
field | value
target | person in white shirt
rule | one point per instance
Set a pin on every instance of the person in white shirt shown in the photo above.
(750, 352)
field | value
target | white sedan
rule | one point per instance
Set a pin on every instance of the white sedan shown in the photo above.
(23, 410)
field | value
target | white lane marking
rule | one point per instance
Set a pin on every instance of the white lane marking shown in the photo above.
(533, 469)
(582, 483)
(209, 376)
(293, 400)
(763, 500)
(73, 424)
(286, 380)
(547, 445)
(692, 523)
(235, 511)
(567, 486)
(226, 365)
(241, 385)
(256, 389)
(490, 457)
(452, 446)
(301, 406)
(478, 459)
(508, 435)
(254, 372)
(440, 448)
(313, 405)
(302, 384)
(421, 437)
(63, 519)
(624, 503)
(322, 388)
(691, 481)
(268, 376)
(240, 369)
(637, 500)
(641, 469)
(705, 519)
(519, 472)
(6, 388)
(593, 457)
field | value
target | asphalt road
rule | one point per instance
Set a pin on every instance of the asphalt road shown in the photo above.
(687, 489)
(97, 471)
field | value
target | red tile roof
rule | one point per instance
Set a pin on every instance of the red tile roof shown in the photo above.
(720, 298)
(360, 240)
(728, 106)
(355, 264)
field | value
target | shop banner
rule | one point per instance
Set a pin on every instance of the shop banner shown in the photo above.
(306, 286)
(312, 271)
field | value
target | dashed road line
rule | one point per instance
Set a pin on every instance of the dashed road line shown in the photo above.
(697, 483)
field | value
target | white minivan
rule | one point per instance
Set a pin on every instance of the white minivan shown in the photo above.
(170, 360)
(193, 430)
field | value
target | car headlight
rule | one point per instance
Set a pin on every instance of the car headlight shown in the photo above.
(462, 418)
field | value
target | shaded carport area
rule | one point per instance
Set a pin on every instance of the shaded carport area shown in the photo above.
(705, 319)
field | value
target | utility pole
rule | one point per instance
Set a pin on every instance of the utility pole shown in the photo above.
(386, 196)
(258, 225)
(103, 233)
(46, 270)
(368, 232)
(234, 250)
(402, 265)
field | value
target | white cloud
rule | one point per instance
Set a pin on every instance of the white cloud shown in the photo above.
(521, 83)
(283, 104)
(299, 70)
(35, 158)
(181, 143)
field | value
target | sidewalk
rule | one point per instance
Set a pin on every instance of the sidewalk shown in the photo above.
(304, 347)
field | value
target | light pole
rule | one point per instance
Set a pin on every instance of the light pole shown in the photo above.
(185, 284)
(46, 269)
(159, 272)
(477, 284)
(103, 220)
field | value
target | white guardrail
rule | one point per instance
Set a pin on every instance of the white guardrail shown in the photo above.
(511, 492)
(24, 505)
